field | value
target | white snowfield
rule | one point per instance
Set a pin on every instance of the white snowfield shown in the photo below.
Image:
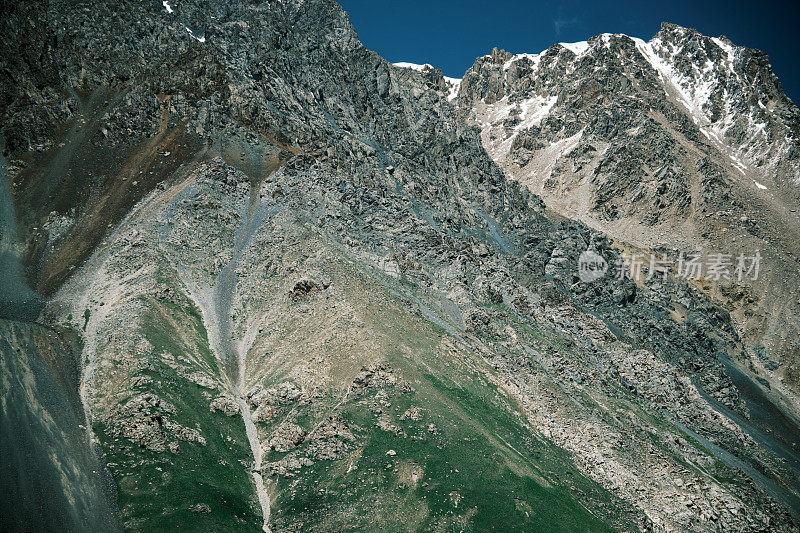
(576, 48)
(454, 84)
(413, 66)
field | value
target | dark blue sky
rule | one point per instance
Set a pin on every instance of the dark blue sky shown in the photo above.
(450, 34)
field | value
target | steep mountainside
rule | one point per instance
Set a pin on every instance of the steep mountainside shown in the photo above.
(310, 301)
(683, 144)
(53, 476)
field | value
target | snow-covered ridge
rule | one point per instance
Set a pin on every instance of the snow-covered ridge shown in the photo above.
(578, 48)
(703, 89)
(705, 77)
(730, 50)
(710, 79)
(534, 58)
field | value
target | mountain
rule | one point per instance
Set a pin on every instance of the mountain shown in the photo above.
(304, 297)
(684, 143)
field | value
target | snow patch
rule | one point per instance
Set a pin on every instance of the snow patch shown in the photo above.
(534, 110)
(740, 166)
(692, 102)
(607, 37)
(535, 59)
(759, 185)
(168, 7)
(694, 91)
(199, 39)
(545, 160)
(531, 113)
(453, 84)
(576, 48)
(412, 66)
(728, 49)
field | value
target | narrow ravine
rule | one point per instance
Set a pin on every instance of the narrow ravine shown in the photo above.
(216, 304)
(227, 348)
(255, 447)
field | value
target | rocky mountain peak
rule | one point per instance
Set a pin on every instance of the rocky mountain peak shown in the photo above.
(675, 32)
(500, 56)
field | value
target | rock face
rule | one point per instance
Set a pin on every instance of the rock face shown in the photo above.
(273, 217)
(679, 144)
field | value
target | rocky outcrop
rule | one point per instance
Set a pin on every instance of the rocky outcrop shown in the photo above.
(225, 404)
(286, 437)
